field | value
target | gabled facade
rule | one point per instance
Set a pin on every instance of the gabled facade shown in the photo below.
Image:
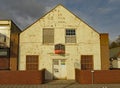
(61, 42)
(9, 39)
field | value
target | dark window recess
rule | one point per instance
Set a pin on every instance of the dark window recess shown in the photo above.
(4, 52)
(86, 62)
(70, 36)
(4, 38)
(70, 32)
(59, 49)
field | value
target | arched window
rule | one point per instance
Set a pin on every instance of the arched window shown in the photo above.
(59, 49)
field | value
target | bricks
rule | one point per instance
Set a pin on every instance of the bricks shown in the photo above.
(97, 77)
(104, 47)
(4, 63)
(83, 77)
(21, 77)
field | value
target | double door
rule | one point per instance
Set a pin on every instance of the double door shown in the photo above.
(59, 69)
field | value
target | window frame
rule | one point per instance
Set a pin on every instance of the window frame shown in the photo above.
(28, 62)
(59, 49)
(71, 34)
(87, 62)
(43, 41)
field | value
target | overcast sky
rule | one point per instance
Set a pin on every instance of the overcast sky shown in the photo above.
(102, 15)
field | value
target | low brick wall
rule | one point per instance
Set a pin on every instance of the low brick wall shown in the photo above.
(97, 77)
(22, 77)
(107, 76)
(83, 77)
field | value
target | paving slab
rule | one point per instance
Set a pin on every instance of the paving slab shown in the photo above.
(63, 84)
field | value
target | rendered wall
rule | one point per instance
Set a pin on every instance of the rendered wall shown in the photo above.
(116, 63)
(119, 63)
(5, 44)
(5, 30)
(87, 42)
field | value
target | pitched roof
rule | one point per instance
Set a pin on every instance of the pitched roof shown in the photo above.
(67, 10)
(115, 52)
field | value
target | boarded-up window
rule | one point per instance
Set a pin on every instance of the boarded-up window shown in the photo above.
(70, 36)
(31, 62)
(86, 62)
(48, 35)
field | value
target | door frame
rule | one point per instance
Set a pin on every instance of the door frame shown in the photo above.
(53, 69)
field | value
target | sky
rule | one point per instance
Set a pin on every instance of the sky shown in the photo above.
(102, 15)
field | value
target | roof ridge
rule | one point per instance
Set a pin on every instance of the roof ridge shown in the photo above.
(68, 11)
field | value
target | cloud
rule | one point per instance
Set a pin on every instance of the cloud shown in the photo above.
(114, 1)
(104, 10)
(23, 12)
(103, 15)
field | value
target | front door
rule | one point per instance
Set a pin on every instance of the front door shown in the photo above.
(59, 69)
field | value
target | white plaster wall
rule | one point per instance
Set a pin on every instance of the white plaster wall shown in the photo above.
(118, 62)
(5, 27)
(115, 63)
(88, 42)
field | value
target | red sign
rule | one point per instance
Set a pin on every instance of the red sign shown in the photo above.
(59, 52)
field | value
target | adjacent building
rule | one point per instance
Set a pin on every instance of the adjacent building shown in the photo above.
(60, 42)
(115, 58)
(9, 40)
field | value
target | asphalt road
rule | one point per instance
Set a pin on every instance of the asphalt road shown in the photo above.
(63, 84)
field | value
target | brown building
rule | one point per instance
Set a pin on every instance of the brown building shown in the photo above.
(9, 38)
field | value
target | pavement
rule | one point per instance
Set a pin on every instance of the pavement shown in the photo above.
(63, 84)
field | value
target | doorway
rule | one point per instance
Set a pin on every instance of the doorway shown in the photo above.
(59, 69)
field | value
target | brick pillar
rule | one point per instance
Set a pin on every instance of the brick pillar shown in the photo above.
(13, 64)
(104, 46)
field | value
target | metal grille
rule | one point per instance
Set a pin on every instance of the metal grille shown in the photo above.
(86, 62)
(31, 62)
(59, 47)
(70, 36)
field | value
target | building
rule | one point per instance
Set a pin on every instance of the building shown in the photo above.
(60, 42)
(9, 33)
(115, 58)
